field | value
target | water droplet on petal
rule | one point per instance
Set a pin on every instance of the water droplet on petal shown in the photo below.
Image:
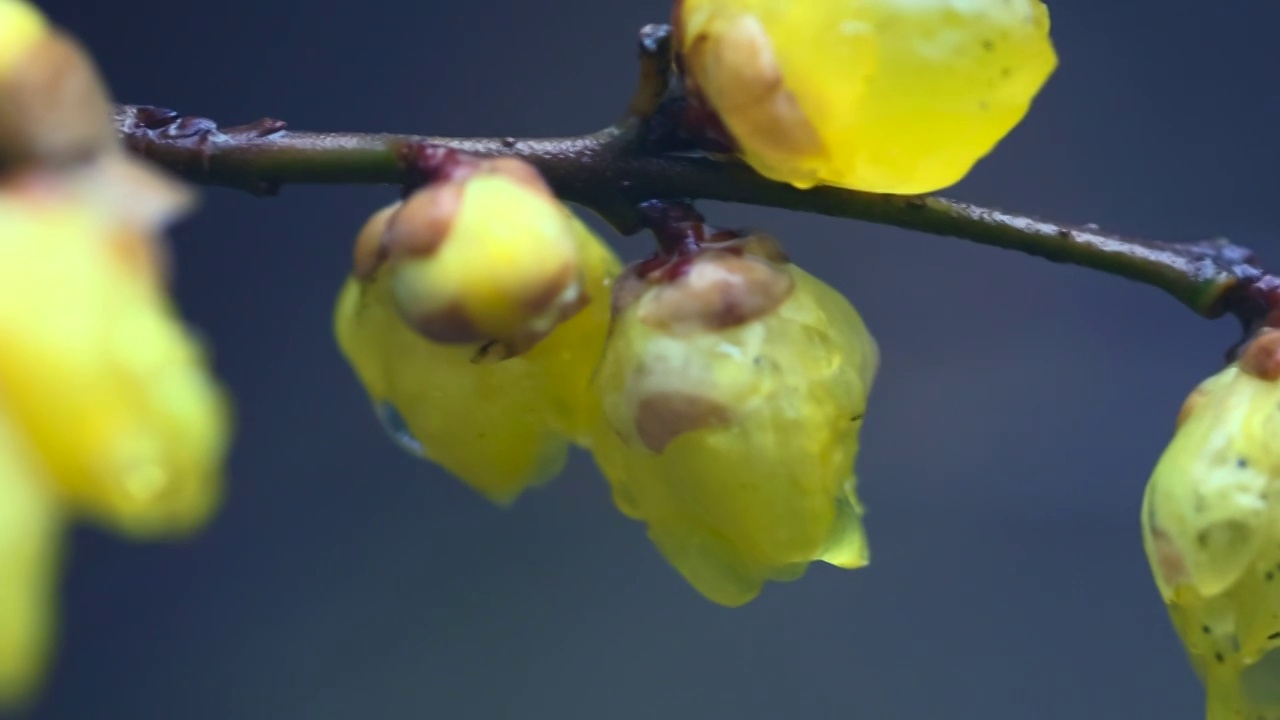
(398, 428)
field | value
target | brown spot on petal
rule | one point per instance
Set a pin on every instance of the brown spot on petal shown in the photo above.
(718, 291)
(370, 251)
(1169, 562)
(737, 71)
(533, 332)
(55, 106)
(424, 220)
(1261, 357)
(542, 307)
(664, 416)
(555, 290)
(450, 326)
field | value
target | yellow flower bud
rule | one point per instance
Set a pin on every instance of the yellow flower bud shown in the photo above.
(488, 256)
(30, 534)
(496, 411)
(733, 389)
(1212, 533)
(98, 371)
(54, 107)
(892, 96)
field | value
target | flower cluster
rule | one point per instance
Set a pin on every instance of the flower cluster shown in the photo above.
(107, 410)
(1212, 532)
(720, 388)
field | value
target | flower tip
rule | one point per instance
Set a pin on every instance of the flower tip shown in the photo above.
(491, 256)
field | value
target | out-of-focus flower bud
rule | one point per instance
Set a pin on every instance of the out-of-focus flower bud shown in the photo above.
(733, 386)
(474, 318)
(1211, 529)
(30, 535)
(107, 409)
(54, 107)
(893, 96)
(99, 372)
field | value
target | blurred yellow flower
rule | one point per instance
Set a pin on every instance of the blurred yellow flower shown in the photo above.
(30, 534)
(107, 408)
(892, 96)
(99, 372)
(734, 386)
(109, 412)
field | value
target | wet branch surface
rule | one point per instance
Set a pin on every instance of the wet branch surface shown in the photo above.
(640, 159)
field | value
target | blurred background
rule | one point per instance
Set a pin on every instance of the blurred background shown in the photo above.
(1020, 408)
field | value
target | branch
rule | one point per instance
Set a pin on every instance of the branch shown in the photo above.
(641, 158)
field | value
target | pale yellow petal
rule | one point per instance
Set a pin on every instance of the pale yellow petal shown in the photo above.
(30, 536)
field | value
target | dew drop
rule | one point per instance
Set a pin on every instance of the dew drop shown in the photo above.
(398, 428)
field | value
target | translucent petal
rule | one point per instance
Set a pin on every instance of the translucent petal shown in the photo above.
(30, 532)
(903, 96)
(765, 485)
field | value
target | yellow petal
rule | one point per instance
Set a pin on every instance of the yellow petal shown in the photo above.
(30, 532)
(100, 371)
(894, 96)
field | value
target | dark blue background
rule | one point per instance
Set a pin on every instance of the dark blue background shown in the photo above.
(1020, 408)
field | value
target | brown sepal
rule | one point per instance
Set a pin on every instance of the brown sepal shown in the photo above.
(661, 417)
(719, 290)
(1261, 357)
